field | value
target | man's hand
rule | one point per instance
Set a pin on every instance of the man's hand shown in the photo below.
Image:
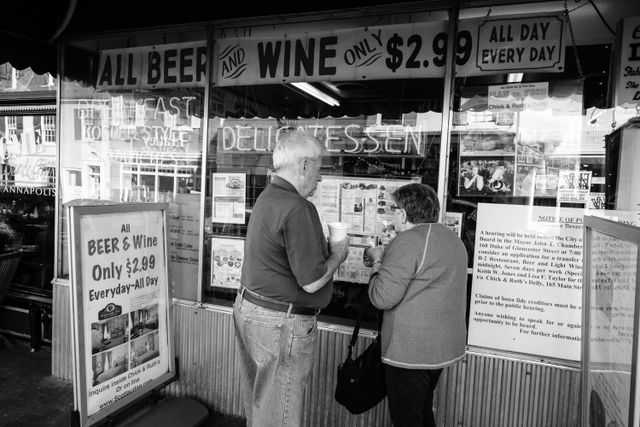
(340, 250)
(338, 253)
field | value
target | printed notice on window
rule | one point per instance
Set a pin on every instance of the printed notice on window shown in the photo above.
(229, 197)
(527, 279)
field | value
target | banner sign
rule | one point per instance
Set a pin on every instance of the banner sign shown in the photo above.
(120, 306)
(518, 97)
(532, 42)
(149, 67)
(628, 81)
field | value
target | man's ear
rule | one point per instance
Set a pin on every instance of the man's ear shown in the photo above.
(303, 166)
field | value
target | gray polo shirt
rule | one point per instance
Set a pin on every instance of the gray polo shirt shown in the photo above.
(285, 247)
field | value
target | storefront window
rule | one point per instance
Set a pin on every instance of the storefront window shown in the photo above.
(139, 143)
(528, 161)
(379, 134)
(27, 196)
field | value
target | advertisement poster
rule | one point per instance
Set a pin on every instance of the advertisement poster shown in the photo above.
(573, 186)
(518, 97)
(184, 229)
(453, 220)
(405, 51)
(364, 204)
(627, 89)
(597, 200)
(612, 302)
(120, 305)
(527, 279)
(226, 262)
(229, 197)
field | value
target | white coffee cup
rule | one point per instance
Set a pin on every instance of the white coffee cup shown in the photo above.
(337, 231)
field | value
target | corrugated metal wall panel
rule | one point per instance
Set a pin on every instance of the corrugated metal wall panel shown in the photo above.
(483, 391)
(205, 348)
(479, 391)
(61, 351)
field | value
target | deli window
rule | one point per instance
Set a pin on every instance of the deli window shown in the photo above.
(376, 140)
(137, 137)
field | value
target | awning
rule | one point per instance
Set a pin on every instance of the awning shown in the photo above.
(30, 29)
(28, 32)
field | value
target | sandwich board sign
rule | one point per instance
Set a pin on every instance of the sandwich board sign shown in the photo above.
(120, 306)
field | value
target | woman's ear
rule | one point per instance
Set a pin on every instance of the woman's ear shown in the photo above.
(403, 217)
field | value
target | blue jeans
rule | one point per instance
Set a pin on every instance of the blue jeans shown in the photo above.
(276, 357)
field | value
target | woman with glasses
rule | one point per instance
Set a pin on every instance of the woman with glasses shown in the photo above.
(419, 282)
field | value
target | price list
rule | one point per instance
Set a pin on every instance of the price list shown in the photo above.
(122, 258)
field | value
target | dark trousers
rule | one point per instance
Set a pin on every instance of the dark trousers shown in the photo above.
(410, 396)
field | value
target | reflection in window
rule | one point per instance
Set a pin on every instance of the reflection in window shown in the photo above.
(48, 129)
(11, 126)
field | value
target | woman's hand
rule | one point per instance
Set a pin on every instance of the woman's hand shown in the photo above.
(374, 255)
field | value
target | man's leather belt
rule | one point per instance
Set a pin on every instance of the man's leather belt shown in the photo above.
(278, 306)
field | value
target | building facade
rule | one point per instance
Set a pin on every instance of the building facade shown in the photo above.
(503, 109)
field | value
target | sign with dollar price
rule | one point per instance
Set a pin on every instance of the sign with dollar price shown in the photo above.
(120, 298)
(627, 90)
(418, 50)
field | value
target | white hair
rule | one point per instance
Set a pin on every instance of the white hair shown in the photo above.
(294, 147)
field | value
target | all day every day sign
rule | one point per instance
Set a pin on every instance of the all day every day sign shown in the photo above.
(394, 51)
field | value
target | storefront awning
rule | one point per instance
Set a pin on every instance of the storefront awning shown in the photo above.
(30, 29)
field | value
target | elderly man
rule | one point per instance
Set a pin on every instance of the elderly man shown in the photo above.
(286, 279)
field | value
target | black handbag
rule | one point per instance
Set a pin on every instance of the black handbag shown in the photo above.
(361, 384)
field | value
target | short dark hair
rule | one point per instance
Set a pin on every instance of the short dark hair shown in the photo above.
(419, 201)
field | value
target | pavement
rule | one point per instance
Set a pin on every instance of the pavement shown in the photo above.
(30, 396)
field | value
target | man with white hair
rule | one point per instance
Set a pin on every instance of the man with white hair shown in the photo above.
(287, 277)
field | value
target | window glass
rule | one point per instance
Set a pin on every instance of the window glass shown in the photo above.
(136, 145)
(14, 80)
(27, 195)
(382, 135)
(529, 159)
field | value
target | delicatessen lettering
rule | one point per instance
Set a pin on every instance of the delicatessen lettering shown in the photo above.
(349, 139)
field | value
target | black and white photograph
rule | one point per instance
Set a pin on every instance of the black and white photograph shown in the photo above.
(109, 333)
(144, 349)
(487, 143)
(108, 364)
(483, 176)
(144, 320)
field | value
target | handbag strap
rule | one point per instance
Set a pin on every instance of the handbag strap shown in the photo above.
(354, 335)
(356, 330)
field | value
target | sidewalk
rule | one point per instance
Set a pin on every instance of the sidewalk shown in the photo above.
(30, 396)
